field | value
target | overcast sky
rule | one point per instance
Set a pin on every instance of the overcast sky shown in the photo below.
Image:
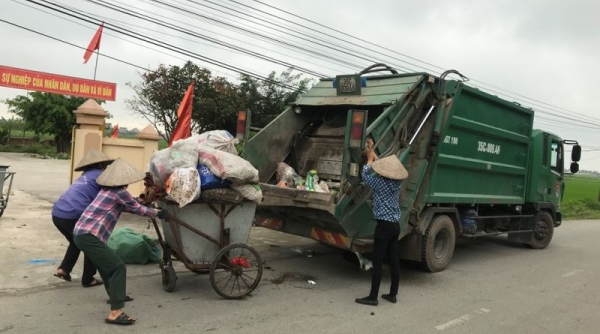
(543, 51)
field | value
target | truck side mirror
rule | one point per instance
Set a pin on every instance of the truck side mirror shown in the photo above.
(576, 153)
(574, 167)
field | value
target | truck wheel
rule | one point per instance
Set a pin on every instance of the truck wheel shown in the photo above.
(437, 246)
(543, 230)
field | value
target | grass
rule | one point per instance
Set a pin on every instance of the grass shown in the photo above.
(28, 134)
(581, 200)
(579, 187)
(37, 149)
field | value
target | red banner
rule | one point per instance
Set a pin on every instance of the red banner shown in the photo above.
(59, 84)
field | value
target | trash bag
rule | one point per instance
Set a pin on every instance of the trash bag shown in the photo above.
(227, 166)
(134, 248)
(286, 174)
(183, 186)
(250, 191)
(159, 166)
(220, 140)
(184, 153)
(208, 180)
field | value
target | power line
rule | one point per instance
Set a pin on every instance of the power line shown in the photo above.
(74, 45)
(271, 39)
(159, 43)
(207, 44)
(122, 10)
(221, 22)
(384, 48)
(539, 107)
(561, 116)
(123, 39)
(319, 41)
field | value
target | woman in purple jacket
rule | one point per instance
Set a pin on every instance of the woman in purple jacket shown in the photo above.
(69, 207)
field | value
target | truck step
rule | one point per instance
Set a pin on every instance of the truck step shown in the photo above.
(483, 234)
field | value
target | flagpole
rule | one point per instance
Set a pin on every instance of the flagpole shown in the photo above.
(96, 67)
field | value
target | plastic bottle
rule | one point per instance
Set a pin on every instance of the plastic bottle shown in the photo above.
(310, 180)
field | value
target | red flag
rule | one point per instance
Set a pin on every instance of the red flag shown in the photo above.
(183, 128)
(94, 44)
(115, 132)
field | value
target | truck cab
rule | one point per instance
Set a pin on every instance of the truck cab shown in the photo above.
(547, 171)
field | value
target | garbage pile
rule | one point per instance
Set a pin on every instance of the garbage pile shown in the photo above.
(201, 162)
(288, 178)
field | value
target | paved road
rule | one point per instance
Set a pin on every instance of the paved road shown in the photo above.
(44, 178)
(492, 286)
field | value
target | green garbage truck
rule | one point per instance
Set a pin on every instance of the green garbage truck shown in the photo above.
(476, 164)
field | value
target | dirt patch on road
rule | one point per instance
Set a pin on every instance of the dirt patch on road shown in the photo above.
(292, 277)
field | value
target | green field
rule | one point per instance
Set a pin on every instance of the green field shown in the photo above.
(580, 187)
(581, 198)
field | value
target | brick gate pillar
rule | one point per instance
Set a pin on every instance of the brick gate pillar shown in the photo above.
(87, 134)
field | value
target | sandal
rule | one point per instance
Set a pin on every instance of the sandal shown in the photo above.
(66, 277)
(122, 319)
(95, 282)
(127, 299)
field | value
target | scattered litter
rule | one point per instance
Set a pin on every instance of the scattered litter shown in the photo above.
(41, 261)
(159, 306)
(372, 313)
(311, 282)
(292, 276)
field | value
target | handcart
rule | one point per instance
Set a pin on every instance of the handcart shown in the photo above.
(210, 234)
(5, 175)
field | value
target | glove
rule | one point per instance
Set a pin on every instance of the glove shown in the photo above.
(163, 214)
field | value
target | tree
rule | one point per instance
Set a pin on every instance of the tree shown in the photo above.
(216, 100)
(46, 113)
(215, 105)
(7, 126)
(268, 98)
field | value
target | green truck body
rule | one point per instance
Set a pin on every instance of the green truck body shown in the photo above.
(476, 165)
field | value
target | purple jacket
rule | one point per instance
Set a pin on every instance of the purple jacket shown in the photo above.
(80, 194)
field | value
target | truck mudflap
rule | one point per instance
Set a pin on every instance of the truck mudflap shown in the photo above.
(274, 196)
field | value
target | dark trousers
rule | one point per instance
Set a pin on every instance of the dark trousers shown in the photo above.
(66, 226)
(386, 244)
(112, 269)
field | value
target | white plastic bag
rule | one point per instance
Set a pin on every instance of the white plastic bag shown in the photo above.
(184, 153)
(159, 166)
(220, 140)
(227, 166)
(250, 191)
(183, 186)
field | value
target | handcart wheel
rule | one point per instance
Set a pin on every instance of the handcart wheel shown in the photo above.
(236, 271)
(169, 278)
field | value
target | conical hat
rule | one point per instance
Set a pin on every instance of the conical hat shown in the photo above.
(390, 167)
(91, 158)
(119, 173)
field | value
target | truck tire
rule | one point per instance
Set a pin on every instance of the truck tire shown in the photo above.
(543, 230)
(437, 246)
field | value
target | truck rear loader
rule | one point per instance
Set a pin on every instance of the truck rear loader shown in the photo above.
(476, 165)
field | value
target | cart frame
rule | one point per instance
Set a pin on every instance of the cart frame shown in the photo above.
(4, 200)
(221, 261)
